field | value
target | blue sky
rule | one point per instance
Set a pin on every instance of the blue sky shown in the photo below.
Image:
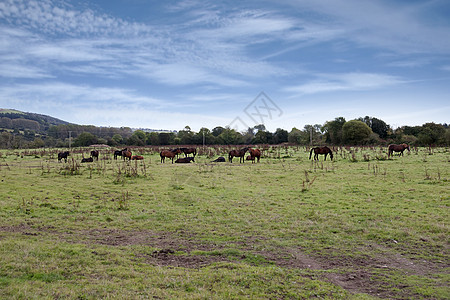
(168, 64)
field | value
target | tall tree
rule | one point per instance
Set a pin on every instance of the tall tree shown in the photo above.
(333, 130)
(354, 132)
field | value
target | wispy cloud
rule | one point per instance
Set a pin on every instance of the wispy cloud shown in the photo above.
(209, 51)
(345, 82)
(387, 25)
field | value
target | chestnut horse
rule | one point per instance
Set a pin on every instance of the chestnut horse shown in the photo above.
(126, 154)
(254, 153)
(321, 150)
(169, 154)
(397, 148)
(238, 153)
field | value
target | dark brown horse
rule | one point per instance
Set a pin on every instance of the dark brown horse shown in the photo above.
(62, 155)
(184, 160)
(254, 153)
(137, 157)
(169, 154)
(94, 154)
(119, 152)
(397, 148)
(219, 159)
(238, 153)
(187, 151)
(321, 150)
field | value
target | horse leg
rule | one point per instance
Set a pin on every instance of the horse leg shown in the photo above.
(325, 156)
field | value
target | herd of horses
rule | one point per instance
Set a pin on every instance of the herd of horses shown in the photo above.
(254, 154)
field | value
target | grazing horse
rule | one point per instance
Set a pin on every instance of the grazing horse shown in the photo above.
(321, 150)
(397, 148)
(119, 152)
(254, 153)
(94, 153)
(187, 151)
(126, 154)
(168, 153)
(89, 159)
(219, 159)
(62, 155)
(184, 160)
(137, 157)
(239, 153)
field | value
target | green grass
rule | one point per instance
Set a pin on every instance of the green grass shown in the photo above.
(362, 226)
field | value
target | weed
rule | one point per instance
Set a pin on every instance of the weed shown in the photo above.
(123, 201)
(307, 183)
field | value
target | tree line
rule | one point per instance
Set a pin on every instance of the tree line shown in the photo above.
(361, 131)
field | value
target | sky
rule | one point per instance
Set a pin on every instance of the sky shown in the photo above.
(200, 63)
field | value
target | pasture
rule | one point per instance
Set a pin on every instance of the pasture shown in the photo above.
(360, 226)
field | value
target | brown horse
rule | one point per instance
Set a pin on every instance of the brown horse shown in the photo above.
(238, 153)
(321, 150)
(137, 157)
(126, 154)
(397, 148)
(168, 153)
(254, 153)
(187, 151)
(94, 154)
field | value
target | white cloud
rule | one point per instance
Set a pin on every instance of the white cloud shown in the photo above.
(388, 25)
(10, 70)
(345, 82)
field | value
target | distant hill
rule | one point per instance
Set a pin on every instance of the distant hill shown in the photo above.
(14, 119)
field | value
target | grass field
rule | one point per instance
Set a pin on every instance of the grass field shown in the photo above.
(361, 226)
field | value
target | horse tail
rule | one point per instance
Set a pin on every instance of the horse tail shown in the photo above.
(310, 152)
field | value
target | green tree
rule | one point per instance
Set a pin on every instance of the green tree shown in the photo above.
(280, 136)
(217, 131)
(263, 137)
(185, 136)
(230, 137)
(355, 132)
(432, 133)
(333, 130)
(138, 138)
(203, 133)
(153, 139)
(294, 137)
(85, 139)
(166, 138)
(37, 143)
(378, 126)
